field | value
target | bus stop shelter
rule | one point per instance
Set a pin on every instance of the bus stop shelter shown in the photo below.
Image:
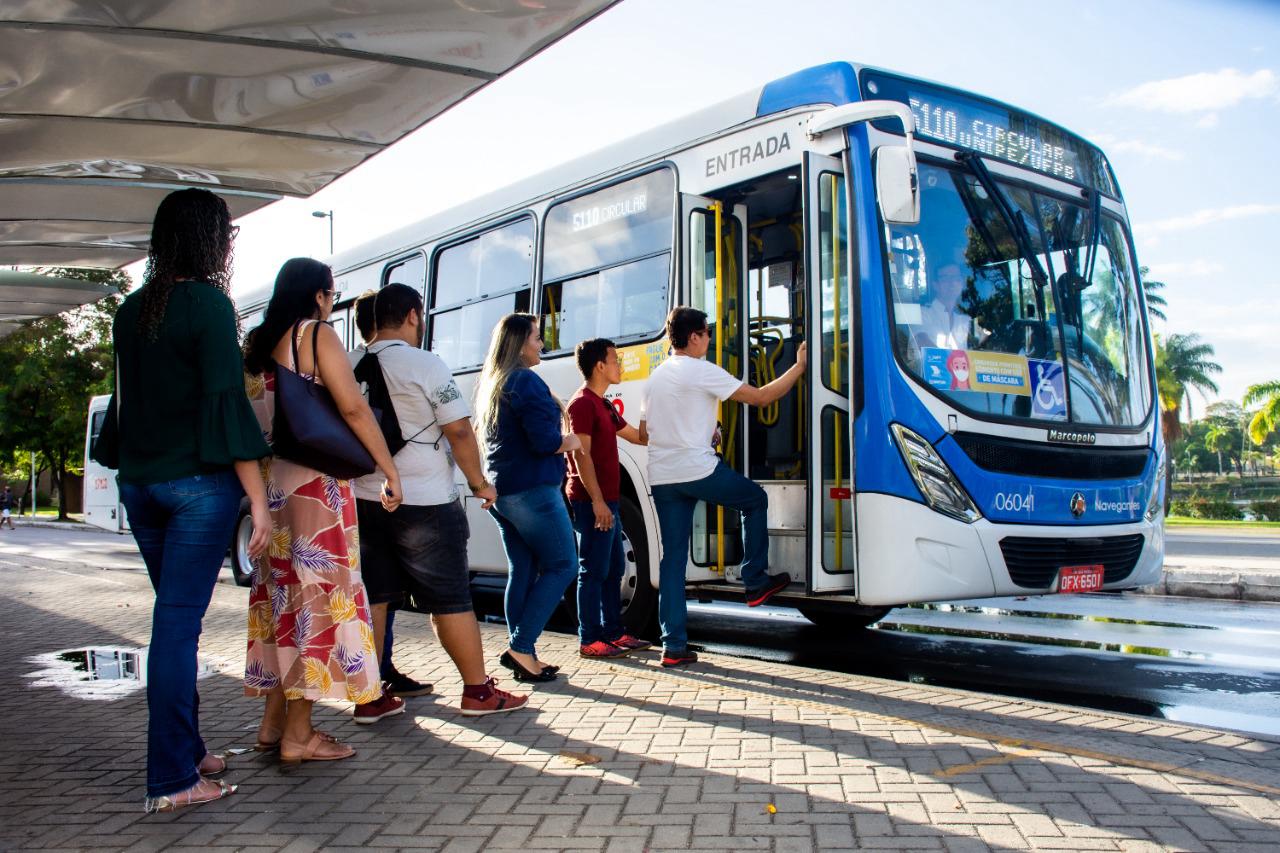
(105, 107)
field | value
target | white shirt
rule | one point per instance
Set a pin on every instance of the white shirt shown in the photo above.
(946, 329)
(425, 397)
(681, 401)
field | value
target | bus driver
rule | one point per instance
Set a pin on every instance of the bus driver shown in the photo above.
(943, 322)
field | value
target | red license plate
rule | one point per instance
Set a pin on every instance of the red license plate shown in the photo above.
(1080, 578)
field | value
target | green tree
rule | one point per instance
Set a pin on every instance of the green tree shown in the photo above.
(53, 366)
(1156, 303)
(1266, 420)
(1182, 362)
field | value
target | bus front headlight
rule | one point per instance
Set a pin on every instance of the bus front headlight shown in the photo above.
(940, 488)
(1154, 503)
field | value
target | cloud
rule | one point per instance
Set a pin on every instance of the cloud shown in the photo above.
(1198, 268)
(1207, 216)
(1145, 150)
(1205, 92)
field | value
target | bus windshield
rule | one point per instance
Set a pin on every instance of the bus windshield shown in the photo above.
(1017, 303)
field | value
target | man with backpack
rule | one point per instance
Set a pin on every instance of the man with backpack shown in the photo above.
(422, 546)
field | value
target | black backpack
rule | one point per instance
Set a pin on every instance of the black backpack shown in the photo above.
(369, 372)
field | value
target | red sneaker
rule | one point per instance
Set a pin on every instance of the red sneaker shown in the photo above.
(499, 702)
(371, 712)
(680, 658)
(632, 644)
(601, 649)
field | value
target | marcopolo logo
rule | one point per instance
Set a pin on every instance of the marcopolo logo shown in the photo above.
(1077, 505)
(1114, 506)
(1065, 436)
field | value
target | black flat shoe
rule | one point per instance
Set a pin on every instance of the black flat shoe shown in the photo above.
(522, 674)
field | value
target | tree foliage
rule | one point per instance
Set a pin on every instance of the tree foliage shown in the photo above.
(1266, 421)
(1156, 303)
(1183, 362)
(52, 367)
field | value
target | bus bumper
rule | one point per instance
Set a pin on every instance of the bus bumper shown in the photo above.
(908, 553)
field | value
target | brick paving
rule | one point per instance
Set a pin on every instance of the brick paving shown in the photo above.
(618, 756)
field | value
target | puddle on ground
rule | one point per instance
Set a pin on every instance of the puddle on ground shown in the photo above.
(99, 673)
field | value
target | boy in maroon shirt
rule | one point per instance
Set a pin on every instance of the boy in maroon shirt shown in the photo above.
(594, 490)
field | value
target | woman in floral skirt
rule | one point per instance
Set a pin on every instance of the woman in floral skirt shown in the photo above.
(310, 635)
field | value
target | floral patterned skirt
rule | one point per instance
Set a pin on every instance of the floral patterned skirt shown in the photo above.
(309, 627)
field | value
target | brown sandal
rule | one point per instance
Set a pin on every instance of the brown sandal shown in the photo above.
(318, 747)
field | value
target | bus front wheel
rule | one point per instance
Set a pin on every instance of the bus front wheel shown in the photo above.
(845, 618)
(639, 598)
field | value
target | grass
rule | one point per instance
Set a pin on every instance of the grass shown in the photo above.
(1183, 521)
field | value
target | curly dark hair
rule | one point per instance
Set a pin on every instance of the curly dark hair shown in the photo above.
(190, 238)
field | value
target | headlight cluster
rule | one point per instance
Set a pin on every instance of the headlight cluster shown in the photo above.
(940, 488)
(1154, 504)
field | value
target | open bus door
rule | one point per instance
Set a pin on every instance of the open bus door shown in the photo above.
(831, 521)
(716, 263)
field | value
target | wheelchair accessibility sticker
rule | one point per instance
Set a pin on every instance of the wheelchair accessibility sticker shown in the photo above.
(1048, 390)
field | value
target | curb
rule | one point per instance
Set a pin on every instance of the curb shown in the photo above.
(55, 525)
(1227, 584)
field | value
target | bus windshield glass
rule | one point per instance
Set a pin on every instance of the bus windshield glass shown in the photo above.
(1019, 304)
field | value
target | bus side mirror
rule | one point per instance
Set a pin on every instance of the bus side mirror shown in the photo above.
(897, 185)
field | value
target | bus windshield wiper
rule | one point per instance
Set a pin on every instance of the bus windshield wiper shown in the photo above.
(1017, 228)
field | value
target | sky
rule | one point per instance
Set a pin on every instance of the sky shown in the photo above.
(1184, 97)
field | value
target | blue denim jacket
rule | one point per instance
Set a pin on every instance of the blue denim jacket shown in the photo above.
(523, 451)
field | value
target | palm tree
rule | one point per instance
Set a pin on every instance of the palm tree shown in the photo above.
(1267, 419)
(1182, 362)
(1216, 439)
(1151, 289)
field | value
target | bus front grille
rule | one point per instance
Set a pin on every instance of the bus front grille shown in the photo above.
(1034, 561)
(1030, 458)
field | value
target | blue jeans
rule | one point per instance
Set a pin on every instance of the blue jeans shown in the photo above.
(182, 528)
(601, 564)
(541, 555)
(675, 503)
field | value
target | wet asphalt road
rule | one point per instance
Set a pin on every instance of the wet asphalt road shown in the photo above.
(1209, 662)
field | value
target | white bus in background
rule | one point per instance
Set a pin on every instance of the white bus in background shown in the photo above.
(102, 507)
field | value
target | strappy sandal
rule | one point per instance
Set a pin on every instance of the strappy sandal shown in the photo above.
(295, 753)
(208, 768)
(183, 799)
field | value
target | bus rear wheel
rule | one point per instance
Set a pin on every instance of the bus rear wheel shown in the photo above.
(843, 618)
(241, 567)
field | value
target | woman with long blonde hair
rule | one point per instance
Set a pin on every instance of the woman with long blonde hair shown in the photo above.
(521, 425)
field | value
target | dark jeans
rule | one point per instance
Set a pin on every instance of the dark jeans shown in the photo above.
(385, 666)
(182, 528)
(541, 554)
(675, 503)
(601, 564)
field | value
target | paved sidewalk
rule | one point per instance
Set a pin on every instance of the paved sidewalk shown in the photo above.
(617, 756)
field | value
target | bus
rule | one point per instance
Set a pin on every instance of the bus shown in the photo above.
(978, 418)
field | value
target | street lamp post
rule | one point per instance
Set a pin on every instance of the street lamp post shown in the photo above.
(322, 215)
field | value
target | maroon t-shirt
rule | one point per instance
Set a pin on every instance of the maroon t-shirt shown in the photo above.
(590, 414)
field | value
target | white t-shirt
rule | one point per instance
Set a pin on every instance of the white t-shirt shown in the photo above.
(424, 395)
(680, 405)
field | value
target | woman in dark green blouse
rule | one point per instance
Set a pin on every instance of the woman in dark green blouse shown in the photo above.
(188, 451)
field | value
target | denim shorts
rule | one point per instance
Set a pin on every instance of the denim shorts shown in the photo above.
(416, 549)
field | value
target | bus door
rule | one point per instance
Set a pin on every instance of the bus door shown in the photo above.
(716, 270)
(831, 528)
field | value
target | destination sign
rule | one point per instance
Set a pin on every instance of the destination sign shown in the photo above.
(963, 121)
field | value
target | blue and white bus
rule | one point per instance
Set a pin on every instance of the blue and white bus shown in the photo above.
(978, 418)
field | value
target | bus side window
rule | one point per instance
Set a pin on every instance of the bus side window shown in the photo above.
(475, 283)
(411, 271)
(339, 323)
(607, 263)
